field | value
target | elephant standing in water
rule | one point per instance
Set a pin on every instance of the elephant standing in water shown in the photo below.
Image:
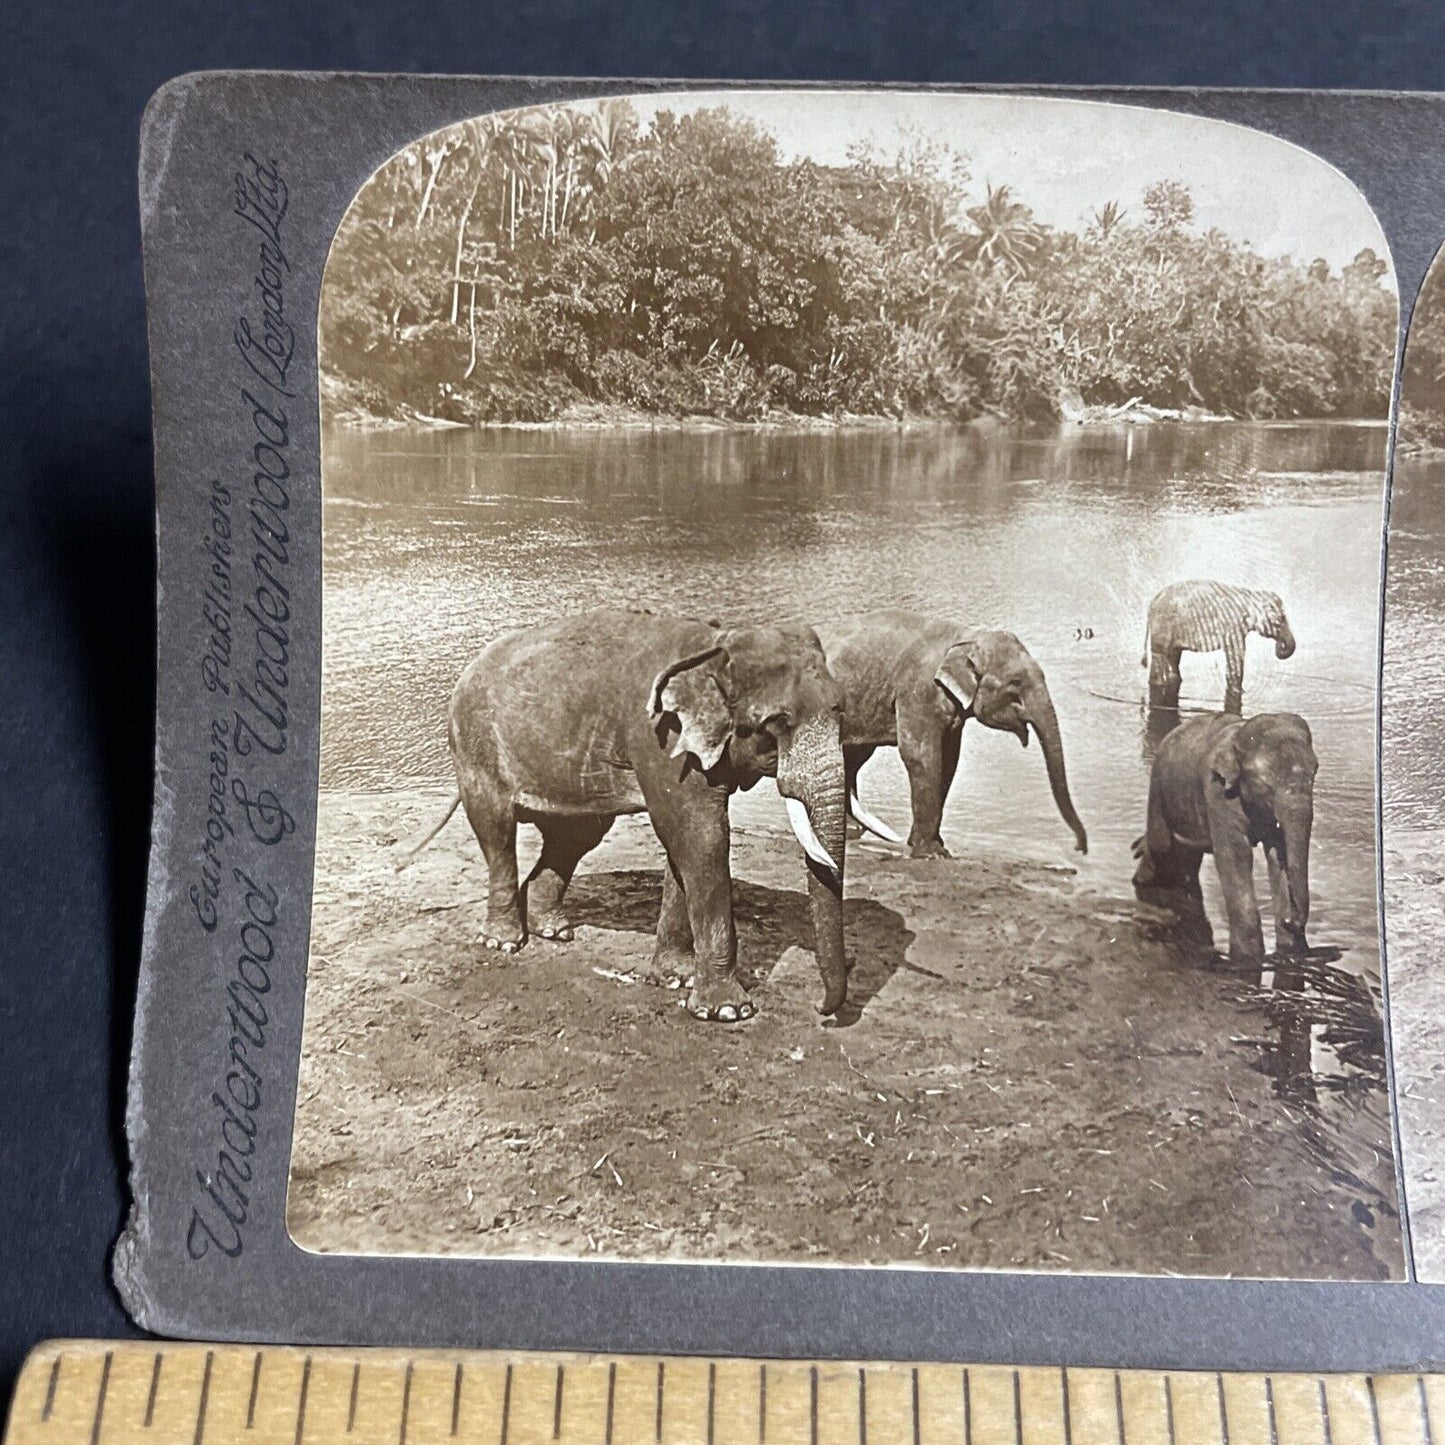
(1225, 786)
(569, 724)
(1209, 617)
(911, 682)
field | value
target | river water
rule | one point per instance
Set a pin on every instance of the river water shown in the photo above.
(437, 541)
(1415, 680)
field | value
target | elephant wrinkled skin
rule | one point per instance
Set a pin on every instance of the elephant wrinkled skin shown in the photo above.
(568, 724)
(911, 682)
(1225, 786)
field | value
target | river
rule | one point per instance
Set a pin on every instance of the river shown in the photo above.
(437, 541)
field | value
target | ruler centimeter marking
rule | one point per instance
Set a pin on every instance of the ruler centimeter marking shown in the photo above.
(200, 1434)
(105, 1393)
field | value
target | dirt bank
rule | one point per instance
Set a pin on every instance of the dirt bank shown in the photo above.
(1029, 1075)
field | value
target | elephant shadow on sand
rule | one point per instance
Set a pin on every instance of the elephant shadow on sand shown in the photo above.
(770, 921)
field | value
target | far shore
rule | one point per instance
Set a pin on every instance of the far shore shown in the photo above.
(1415, 450)
(607, 418)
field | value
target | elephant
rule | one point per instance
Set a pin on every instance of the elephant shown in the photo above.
(1209, 617)
(911, 682)
(1224, 785)
(570, 723)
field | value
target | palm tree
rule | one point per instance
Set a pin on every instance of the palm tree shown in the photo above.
(1005, 233)
(433, 153)
(575, 129)
(1107, 219)
(516, 150)
(480, 136)
(611, 127)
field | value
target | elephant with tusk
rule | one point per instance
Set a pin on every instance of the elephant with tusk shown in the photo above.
(568, 724)
(911, 682)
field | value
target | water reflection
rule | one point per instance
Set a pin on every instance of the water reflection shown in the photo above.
(1325, 1051)
(1290, 1053)
(1159, 722)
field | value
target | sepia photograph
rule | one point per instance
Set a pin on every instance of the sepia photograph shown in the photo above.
(850, 659)
(1413, 772)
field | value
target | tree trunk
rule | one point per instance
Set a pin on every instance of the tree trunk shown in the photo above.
(472, 327)
(461, 241)
(567, 189)
(426, 194)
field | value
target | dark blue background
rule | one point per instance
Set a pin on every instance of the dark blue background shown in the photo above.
(76, 532)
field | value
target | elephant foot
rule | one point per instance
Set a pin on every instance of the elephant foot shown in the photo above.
(928, 848)
(1154, 894)
(719, 997)
(1195, 926)
(554, 926)
(1247, 960)
(672, 965)
(1289, 944)
(503, 936)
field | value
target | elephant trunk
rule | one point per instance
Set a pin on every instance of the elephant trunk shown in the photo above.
(1295, 824)
(813, 782)
(1039, 710)
(1283, 641)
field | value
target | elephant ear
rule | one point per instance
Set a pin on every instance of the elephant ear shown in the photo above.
(1224, 767)
(960, 673)
(1266, 612)
(692, 692)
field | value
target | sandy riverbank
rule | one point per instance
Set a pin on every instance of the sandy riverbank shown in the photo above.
(1029, 1075)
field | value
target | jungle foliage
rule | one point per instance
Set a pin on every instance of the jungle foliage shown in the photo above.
(536, 264)
(1422, 385)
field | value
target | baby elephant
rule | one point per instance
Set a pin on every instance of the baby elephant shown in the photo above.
(1222, 785)
(1209, 617)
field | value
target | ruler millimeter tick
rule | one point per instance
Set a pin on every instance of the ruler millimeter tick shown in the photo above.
(98, 1393)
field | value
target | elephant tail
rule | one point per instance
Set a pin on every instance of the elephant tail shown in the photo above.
(1144, 661)
(411, 853)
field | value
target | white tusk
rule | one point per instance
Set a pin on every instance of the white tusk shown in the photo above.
(865, 819)
(803, 827)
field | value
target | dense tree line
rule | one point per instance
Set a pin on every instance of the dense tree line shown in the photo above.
(1422, 386)
(531, 265)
